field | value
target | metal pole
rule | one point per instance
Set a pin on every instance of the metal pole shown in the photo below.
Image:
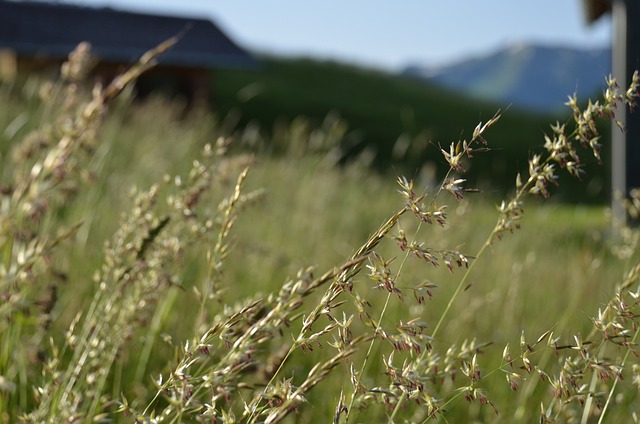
(625, 145)
(633, 119)
(618, 138)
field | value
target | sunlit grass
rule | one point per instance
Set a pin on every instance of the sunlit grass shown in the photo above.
(265, 287)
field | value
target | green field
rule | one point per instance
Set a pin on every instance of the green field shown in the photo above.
(280, 295)
(400, 122)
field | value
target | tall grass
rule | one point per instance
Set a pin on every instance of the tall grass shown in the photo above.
(152, 271)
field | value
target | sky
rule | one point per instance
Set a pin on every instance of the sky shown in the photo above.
(388, 35)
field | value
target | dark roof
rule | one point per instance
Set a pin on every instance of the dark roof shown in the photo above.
(53, 30)
(596, 8)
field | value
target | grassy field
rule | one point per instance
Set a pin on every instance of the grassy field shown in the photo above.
(399, 121)
(146, 277)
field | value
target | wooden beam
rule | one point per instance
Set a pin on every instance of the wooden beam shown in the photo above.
(595, 8)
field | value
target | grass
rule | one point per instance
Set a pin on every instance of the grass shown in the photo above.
(154, 272)
(398, 120)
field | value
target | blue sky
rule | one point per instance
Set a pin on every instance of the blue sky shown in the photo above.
(386, 34)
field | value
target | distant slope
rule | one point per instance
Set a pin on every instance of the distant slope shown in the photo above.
(378, 108)
(528, 76)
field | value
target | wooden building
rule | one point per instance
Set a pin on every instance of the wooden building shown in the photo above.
(39, 35)
(625, 60)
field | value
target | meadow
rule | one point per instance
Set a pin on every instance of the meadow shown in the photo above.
(162, 267)
(395, 121)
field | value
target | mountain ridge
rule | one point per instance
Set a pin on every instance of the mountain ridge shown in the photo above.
(529, 76)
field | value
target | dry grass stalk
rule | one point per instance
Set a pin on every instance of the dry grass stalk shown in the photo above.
(238, 364)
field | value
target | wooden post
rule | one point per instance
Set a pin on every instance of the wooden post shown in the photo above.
(8, 65)
(625, 145)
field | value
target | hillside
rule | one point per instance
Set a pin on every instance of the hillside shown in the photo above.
(378, 109)
(535, 77)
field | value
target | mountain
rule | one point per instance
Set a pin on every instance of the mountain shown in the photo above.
(526, 76)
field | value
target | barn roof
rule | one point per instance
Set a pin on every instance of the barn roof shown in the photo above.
(53, 30)
(596, 8)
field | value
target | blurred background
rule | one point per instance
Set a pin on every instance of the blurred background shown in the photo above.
(401, 80)
(449, 43)
(388, 36)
